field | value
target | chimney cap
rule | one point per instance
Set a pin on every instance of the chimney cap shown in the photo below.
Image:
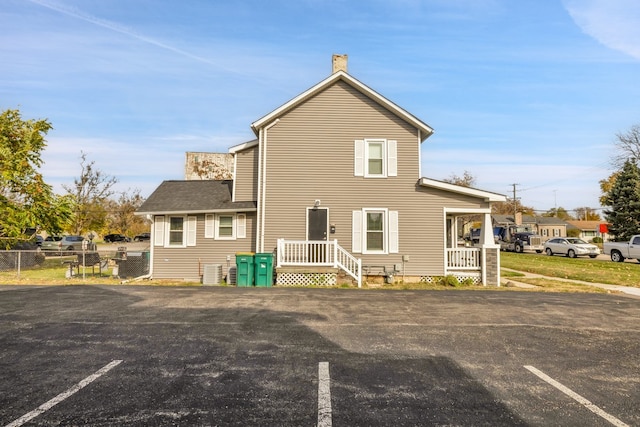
(339, 63)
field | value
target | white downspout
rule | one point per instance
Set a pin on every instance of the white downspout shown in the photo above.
(419, 156)
(259, 193)
(264, 180)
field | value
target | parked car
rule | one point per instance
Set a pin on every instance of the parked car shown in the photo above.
(116, 237)
(65, 243)
(571, 247)
(51, 243)
(142, 237)
(618, 251)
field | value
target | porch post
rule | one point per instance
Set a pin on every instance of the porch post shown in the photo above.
(490, 253)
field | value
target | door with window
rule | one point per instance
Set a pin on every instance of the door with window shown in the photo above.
(317, 225)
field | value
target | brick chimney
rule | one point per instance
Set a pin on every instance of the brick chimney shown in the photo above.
(518, 218)
(339, 63)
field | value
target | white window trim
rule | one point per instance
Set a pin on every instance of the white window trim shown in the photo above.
(233, 227)
(391, 237)
(167, 232)
(389, 157)
(385, 157)
(163, 231)
(385, 231)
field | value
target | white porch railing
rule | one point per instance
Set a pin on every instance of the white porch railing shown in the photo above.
(319, 253)
(464, 259)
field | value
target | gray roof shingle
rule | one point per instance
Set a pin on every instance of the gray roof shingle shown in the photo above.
(193, 196)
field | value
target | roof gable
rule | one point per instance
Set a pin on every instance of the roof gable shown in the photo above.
(193, 197)
(425, 130)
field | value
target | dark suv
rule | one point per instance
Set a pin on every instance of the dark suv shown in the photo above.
(110, 238)
(142, 237)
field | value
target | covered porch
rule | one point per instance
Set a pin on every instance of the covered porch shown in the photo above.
(480, 262)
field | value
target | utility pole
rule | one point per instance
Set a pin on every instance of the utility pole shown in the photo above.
(515, 202)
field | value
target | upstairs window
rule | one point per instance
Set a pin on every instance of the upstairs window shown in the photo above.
(375, 158)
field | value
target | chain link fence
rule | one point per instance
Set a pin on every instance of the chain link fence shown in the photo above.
(115, 263)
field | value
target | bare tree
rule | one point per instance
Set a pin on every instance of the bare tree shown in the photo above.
(90, 193)
(587, 214)
(466, 180)
(627, 147)
(122, 218)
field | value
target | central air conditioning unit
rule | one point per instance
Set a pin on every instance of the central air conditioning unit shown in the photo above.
(212, 274)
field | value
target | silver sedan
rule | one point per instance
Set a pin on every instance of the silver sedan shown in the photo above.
(571, 247)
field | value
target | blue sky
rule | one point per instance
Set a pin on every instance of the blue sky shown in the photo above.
(530, 92)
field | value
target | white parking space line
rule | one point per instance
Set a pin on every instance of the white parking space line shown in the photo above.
(62, 396)
(587, 404)
(324, 395)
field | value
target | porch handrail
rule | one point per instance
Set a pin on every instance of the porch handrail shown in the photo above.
(348, 263)
(325, 253)
(464, 259)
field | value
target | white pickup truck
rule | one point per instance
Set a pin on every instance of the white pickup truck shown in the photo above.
(618, 251)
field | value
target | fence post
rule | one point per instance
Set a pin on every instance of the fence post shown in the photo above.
(19, 262)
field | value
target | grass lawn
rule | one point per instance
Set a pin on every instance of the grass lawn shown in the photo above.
(585, 269)
(53, 272)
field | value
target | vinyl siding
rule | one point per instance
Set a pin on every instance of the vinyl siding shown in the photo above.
(311, 156)
(184, 263)
(246, 184)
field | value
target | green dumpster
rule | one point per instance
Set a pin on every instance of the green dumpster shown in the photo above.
(244, 269)
(264, 269)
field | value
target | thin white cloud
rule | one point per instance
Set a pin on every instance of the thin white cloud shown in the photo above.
(76, 13)
(614, 23)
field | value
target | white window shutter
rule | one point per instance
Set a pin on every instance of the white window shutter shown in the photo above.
(392, 158)
(356, 232)
(358, 156)
(394, 241)
(191, 230)
(209, 226)
(158, 231)
(241, 226)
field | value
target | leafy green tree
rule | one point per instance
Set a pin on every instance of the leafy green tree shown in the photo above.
(558, 213)
(26, 200)
(623, 201)
(605, 186)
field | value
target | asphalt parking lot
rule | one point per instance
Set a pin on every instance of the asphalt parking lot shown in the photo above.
(145, 355)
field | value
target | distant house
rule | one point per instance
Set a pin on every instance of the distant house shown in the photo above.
(546, 227)
(332, 187)
(588, 230)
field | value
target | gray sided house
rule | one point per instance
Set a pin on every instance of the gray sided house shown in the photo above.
(332, 187)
